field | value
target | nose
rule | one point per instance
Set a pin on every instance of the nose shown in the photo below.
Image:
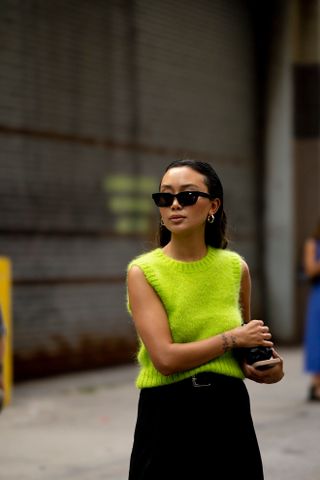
(175, 203)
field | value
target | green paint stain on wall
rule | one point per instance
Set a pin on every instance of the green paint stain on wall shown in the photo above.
(129, 200)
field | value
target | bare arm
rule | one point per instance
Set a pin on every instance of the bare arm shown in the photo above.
(311, 265)
(168, 357)
(245, 293)
(274, 374)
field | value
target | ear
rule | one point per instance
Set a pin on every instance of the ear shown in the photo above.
(215, 204)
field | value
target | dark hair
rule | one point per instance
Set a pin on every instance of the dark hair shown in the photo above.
(215, 233)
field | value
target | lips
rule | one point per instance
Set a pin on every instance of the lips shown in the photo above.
(176, 217)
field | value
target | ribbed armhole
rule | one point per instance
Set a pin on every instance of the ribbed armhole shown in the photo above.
(237, 267)
(147, 269)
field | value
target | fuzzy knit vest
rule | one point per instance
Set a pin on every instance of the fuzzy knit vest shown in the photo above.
(201, 299)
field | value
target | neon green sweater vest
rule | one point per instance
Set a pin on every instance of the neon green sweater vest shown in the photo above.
(201, 299)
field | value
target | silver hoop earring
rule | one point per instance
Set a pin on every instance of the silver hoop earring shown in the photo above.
(161, 222)
(210, 218)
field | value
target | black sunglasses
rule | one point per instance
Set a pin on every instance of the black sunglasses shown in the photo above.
(185, 199)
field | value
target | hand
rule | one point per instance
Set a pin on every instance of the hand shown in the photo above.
(252, 334)
(271, 375)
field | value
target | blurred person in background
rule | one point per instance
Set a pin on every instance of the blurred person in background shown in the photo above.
(311, 260)
(190, 303)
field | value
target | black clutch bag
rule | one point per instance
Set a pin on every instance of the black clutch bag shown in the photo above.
(259, 357)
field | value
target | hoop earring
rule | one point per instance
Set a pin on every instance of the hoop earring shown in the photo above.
(210, 218)
(161, 222)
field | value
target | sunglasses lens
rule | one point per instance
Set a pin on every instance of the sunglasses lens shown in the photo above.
(187, 198)
(163, 199)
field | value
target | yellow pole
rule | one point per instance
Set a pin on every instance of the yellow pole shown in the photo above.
(5, 304)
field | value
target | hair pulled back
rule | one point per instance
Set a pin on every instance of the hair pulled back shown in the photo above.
(215, 233)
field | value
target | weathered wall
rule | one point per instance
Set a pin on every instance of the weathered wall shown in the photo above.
(306, 145)
(96, 98)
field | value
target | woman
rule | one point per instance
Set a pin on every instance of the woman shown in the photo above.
(188, 300)
(312, 330)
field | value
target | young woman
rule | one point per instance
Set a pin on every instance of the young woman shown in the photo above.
(188, 300)
(312, 329)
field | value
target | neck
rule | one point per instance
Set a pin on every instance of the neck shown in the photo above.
(186, 249)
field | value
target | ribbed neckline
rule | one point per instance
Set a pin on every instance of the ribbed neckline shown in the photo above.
(195, 265)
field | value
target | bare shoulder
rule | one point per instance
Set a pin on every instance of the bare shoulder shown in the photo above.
(244, 264)
(244, 268)
(134, 270)
(135, 274)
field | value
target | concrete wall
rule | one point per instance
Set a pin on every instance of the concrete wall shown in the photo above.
(279, 212)
(96, 99)
(306, 158)
(292, 162)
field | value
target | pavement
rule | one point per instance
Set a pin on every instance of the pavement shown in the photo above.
(80, 426)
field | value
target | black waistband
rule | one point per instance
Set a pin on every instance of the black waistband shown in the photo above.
(211, 378)
(202, 379)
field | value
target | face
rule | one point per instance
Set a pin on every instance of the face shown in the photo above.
(179, 218)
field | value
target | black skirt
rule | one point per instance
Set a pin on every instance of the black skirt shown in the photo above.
(199, 428)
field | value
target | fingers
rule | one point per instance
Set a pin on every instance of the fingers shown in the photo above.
(253, 374)
(267, 335)
(266, 332)
(256, 322)
(257, 333)
(260, 333)
(272, 375)
(263, 335)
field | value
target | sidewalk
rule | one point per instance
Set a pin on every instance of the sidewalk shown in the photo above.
(81, 426)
